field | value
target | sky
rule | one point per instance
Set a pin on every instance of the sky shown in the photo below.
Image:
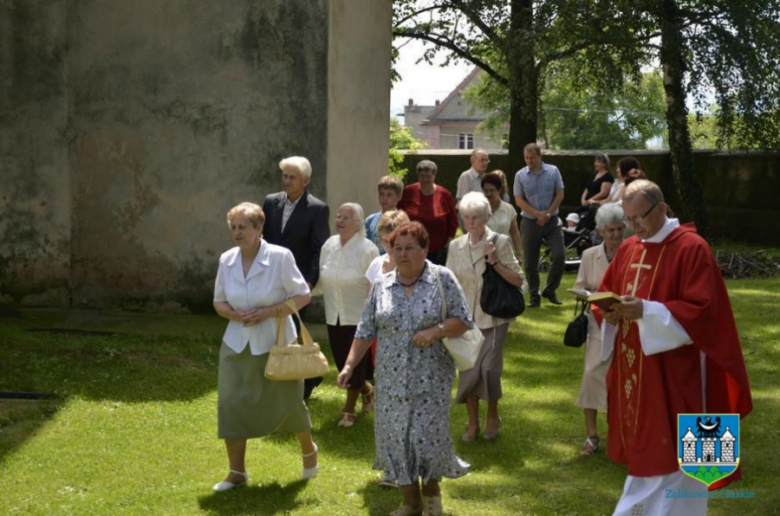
(423, 82)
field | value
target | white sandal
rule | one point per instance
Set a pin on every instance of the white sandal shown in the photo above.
(310, 472)
(227, 486)
(588, 447)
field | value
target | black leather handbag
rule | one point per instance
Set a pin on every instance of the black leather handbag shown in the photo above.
(500, 298)
(577, 330)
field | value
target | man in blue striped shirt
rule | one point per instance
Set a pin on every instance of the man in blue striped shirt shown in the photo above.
(538, 192)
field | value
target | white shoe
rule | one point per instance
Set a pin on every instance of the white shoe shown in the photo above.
(310, 472)
(227, 486)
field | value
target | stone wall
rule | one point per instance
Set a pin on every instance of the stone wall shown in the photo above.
(741, 189)
(128, 129)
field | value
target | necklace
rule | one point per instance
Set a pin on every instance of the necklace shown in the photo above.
(407, 285)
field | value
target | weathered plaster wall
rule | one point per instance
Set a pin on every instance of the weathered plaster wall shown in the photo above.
(358, 100)
(35, 203)
(128, 129)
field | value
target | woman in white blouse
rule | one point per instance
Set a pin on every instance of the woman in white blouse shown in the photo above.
(503, 217)
(468, 256)
(344, 260)
(253, 281)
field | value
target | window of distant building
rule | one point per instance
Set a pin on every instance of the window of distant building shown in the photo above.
(465, 140)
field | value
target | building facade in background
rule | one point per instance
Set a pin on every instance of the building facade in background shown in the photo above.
(451, 123)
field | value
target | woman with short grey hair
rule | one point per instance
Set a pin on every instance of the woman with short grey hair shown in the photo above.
(344, 260)
(254, 281)
(468, 257)
(593, 390)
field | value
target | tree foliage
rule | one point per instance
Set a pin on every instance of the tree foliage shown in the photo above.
(401, 138)
(575, 114)
(729, 48)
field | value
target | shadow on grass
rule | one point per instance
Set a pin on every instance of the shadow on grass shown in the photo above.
(266, 499)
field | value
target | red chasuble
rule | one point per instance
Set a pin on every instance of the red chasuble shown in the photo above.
(646, 392)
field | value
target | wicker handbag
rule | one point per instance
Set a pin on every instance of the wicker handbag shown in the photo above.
(295, 362)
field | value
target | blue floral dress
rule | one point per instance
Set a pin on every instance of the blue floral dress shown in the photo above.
(413, 385)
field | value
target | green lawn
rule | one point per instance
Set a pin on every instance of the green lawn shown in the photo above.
(133, 430)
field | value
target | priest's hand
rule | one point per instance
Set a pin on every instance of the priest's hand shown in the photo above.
(631, 308)
(612, 317)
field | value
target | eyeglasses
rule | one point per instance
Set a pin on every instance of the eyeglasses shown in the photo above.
(640, 218)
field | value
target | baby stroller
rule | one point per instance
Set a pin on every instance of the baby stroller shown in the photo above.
(575, 241)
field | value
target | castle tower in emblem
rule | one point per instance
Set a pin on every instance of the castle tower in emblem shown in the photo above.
(689, 446)
(727, 446)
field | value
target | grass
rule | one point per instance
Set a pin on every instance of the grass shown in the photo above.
(133, 427)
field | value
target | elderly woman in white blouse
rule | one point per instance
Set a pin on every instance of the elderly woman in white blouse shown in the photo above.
(504, 216)
(254, 280)
(344, 260)
(468, 256)
(595, 260)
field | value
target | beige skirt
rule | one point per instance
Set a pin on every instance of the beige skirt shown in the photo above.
(249, 405)
(484, 379)
(593, 391)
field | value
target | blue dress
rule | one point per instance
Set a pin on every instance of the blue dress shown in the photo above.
(413, 385)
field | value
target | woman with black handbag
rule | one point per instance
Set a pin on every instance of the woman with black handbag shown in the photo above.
(468, 258)
(593, 390)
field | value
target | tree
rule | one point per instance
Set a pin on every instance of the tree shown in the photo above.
(574, 114)
(401, 138)
(515, 41)
(731, 48)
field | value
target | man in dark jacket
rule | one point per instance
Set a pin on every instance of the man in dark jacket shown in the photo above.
(297, 220)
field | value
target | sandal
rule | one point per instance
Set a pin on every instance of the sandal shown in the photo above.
(367, 398)
(347, 419)
(405, 510)
(386, 482)
(492, 435)
(467, 437)
(312, 471)
(589, 447)
(432, 505)
(227, 486)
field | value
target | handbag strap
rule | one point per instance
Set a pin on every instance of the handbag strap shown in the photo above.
(305, 335)
(577, 304)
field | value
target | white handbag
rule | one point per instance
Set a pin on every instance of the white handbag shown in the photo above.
(465, 349)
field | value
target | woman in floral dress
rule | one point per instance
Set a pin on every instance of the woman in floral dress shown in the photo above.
(414, 372)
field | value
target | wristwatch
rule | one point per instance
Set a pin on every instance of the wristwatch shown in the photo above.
(441, 328)
(548, 215)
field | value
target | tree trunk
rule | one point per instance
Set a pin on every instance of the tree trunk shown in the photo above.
(674, 67)
(523, 81)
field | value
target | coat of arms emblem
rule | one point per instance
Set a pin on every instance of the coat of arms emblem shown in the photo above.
(708, 445)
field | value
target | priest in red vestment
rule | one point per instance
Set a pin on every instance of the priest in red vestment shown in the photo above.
(676, 351)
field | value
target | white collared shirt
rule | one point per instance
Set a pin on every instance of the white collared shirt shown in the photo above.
(343, 278)
(288, 208)
(272, 278)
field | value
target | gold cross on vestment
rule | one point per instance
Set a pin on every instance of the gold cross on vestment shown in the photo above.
(638, 266)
